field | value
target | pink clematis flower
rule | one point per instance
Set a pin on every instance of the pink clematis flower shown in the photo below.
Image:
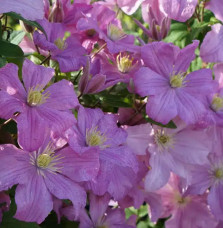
(187, 211)
(44, 174)
(38, 110)
(170, 151)
(31, 10)
(172, 92)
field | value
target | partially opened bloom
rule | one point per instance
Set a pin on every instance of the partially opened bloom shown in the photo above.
(39, 110)
(44, 174)
(31, 10)
(67, 51)
(179, 10)
(170, 151)
(211, 48)
(117, 162)
(172, 92)
(186, 211)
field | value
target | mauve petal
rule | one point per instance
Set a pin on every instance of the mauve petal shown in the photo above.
(162, 108)
(138, 138)
(185, 57)
(158, 175)
(64, 188)
(215, 198)
(218, 72)
(31, 10)
(10, 82)
(96, 84)
(59, 121)
(160, 57)
(70, 60)
(35, 75)
(211, 48)
(33, 200)
(61, 96)
(177, 9)
(216, 7)
(148, 82)
(9, 105)
(189, 108)
(200, 82)
(31, 129)
(12, 169)
(129, 6)
(80, 167)
(191, 147)
(98, 206)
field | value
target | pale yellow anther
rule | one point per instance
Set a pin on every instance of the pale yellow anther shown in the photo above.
(43, 160)
(114, 32)
(218, 173)
(162, 140)
(182, 201)
(124, 63)
(94, 137)
(217, 103)
(176, 81)
(60, 43)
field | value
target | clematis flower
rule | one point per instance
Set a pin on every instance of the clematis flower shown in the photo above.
(30, 10)
(118, 164)
(216, 7)
(171, 91)
(44, 174)
(100, 214)
(159, 23)
(4, 204)
(187, 211)
(177, 9)
(68, 52)
(211, 48)
(171, 150)
(38, 110)
(210, 176)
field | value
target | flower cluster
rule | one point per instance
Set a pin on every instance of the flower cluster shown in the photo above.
(107, 120)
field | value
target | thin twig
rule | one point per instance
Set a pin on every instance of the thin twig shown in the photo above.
(101, 48)
(46, 59)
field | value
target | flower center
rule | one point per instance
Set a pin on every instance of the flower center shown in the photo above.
(217, 103)
(176, 81)
(124, 63)
(182, 201)
(218, 173)
(94, 137)
(60, 43)
(115, 33)
(43, 160)
(162, 140)
(35, 97)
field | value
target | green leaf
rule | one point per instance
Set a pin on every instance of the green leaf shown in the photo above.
(31, 23)
(10, 50)
(3, 61)
(116, 101)
(16, 37)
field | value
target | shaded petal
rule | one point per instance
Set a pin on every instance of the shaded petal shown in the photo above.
(60, 121)
(9, 105)
(64, 188)
(96, 84)
(215, 198)
(148, 82)
(177, 9)
(162, 108)
(160, 57)
(12, 169)
(33, 200)
(138, 138)
(10, 82)
(218, 72)
(29, 10)
(159, 174)
(216, 7)
(80, 167)
(189, 108)
(35, 75)
(70, 60)
(129, 6)
(200, 82)
(61, 96)
(31, 129)
(211, 48)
